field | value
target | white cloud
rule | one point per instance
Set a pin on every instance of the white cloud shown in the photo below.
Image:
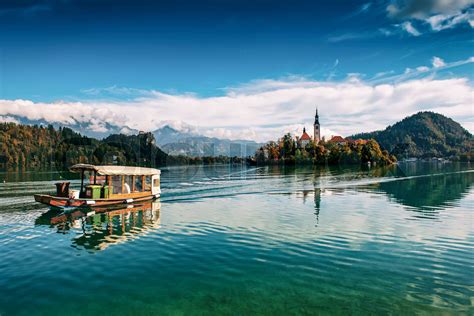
(441, 22)
(420, 9)
(180, 126)
(117, 91)
(438, 62)
(409, 28)
(127, 131)
(438, 14)
(383, 74)
(422, 69)
(409, 73)
(364, 35)
(352, 36)
(265, 109)
(67, 113)
(96, 125)
(8, 119)
(265, 133)
(362, 9)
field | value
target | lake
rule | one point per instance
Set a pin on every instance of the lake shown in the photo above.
(236, 240)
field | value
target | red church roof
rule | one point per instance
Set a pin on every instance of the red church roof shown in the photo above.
(337, 139)
(305, 136)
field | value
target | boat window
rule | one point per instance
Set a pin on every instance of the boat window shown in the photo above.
(147, 185)
(127, 186)
(156, 183)
(99, 179)
(138, 184)
(117, 184)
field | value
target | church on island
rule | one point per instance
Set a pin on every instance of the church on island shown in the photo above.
(305, 138)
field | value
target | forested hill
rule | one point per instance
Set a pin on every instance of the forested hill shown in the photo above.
(423, 135)
(38, 146)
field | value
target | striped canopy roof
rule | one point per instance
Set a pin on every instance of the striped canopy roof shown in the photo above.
(116, 170)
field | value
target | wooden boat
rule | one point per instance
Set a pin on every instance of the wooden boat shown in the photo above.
(109, 185)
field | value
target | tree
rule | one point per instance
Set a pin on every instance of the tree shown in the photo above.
(286, 151)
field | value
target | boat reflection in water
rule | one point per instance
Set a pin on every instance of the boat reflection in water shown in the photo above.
(99, 228)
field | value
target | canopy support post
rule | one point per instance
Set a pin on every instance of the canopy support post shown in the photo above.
(82, 181)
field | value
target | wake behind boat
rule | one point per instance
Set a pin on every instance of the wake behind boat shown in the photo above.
(108, 185)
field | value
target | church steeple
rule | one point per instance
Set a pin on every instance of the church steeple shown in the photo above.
(317, 128)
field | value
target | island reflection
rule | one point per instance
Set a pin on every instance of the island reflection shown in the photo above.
(428, 193)
(424, 188)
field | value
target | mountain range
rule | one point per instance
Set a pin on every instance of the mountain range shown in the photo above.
(175, 142)
(422, 135)
(185, 141)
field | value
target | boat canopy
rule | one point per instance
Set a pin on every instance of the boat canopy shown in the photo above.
(115, 170)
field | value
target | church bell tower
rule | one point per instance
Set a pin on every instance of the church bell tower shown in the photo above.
(317, 130)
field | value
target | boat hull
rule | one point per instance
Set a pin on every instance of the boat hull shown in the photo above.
(56, 201)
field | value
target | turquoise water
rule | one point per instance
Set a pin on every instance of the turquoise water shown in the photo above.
(245, 241)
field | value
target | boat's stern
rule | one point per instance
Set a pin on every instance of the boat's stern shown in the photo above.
(156, 188)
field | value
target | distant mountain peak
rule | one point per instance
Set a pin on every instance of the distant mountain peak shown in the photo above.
(190, 143)
(178, 126)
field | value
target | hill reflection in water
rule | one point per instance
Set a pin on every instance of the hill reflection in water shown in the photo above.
(427, 193)
(422, 187)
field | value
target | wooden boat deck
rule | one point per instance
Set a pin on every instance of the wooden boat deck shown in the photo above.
(67, 202)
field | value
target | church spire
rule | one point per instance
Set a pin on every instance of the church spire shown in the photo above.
(317, 128)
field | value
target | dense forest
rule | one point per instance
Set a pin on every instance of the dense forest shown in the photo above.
(36, 146)
(425, 135)
(288, 151)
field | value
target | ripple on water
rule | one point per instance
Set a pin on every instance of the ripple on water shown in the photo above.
(258, 241)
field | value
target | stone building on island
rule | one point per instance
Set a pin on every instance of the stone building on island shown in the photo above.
(305, 138)
(317, 128)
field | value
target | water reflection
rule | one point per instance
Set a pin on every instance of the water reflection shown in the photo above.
(317, 204)
(422, 187)
(245, 241)
(99, 228)
(431, 192)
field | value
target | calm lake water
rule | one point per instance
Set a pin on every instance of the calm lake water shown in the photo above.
(245, 241)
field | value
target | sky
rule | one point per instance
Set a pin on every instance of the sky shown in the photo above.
(235, 69)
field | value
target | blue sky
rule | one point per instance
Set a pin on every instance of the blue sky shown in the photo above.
(116, 53)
